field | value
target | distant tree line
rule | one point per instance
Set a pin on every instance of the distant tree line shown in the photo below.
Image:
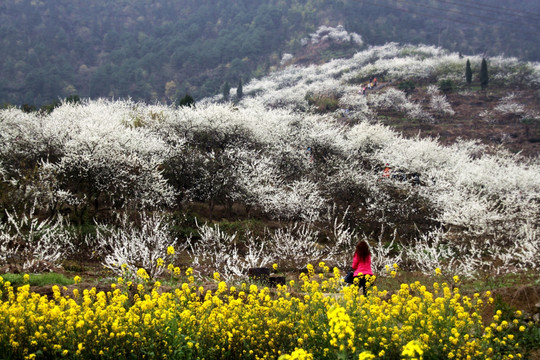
(164, 49)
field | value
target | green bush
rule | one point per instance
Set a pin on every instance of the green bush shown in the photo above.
(323, 103)
(407, 86)
(446, 86)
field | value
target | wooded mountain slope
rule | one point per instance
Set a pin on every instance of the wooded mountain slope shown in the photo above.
(163, 49)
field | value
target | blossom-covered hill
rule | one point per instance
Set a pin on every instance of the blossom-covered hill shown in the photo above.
(422, 90)
(302, 150)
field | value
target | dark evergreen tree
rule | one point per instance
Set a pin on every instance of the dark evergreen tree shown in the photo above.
(484, 74)
(239, 90)
(186, 101)
(73, 99)
(28, 108)
(468, 72)
(226, 90)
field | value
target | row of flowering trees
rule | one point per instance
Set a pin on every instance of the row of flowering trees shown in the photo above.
(277, 159)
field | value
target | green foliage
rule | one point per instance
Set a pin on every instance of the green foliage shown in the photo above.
(98, 49)
(484, 79)
(322, 103)
(446, 86)
(407, 86)
(226, 90)
(186, 101)
(73, 99)
(28, 108)
(468, 72)
(507, 311)
(38, 279)
(239, 90)
(529, 334)
(49, 108)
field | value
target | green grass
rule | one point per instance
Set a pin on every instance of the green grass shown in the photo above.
(489, 282)
(38, 279)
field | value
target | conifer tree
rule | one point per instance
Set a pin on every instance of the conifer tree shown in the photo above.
(226, 90)
(239, 90)
(468, 72)
(186, 101)
(484, 74)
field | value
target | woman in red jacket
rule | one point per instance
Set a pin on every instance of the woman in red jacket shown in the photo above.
(362, 264)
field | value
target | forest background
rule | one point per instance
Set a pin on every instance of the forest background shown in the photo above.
(164, 49)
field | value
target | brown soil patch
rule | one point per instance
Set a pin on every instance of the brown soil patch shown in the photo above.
(470, 121)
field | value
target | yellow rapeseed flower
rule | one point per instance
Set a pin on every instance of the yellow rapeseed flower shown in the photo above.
(298, 354)
(367, 355)
(141, 273)
(253, 322)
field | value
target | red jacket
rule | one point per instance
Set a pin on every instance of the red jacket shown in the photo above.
(361, 267)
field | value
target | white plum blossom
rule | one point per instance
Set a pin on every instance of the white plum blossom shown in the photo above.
(38, 245)
(286, 58)
(274, 154)
(338, 34)
(440, 105)
(508, 106)
(130, 247)
(296, 246)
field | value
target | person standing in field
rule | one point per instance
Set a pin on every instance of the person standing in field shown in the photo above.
(362, 265)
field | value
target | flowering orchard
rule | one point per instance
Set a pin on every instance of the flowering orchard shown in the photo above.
(316, 318)
(129, 172)
(472, 209)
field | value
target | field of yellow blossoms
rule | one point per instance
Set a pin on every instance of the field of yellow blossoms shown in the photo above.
(316, 317)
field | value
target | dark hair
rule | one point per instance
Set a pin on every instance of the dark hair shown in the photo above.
(362, 249)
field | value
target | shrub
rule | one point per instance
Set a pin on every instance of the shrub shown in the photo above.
(446, 86)
(322, 103)
(407, 86)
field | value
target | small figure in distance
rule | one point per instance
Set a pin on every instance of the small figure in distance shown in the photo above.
(386, 171)
(309, 153)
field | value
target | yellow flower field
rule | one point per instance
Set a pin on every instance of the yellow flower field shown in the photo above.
(318, 318)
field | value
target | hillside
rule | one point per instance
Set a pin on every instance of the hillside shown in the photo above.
(483, 118)
(293, 173)
(223, 228)
(294, 170)
(422, 91)
(161, 50)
